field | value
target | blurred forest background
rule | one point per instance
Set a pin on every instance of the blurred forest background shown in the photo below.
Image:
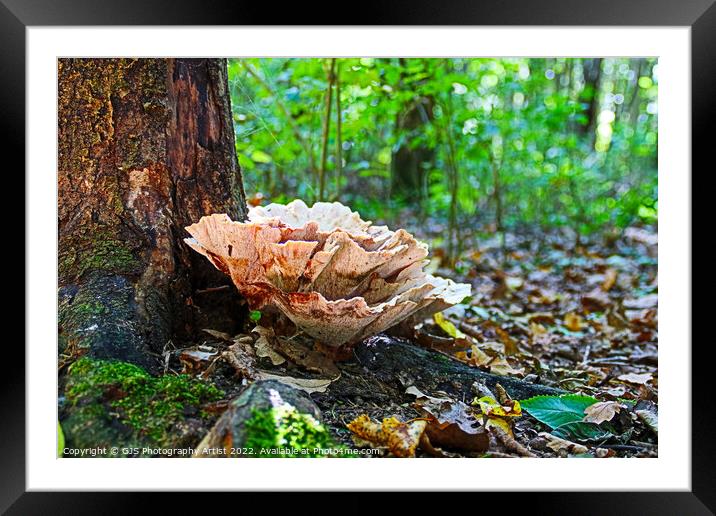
(456, 150)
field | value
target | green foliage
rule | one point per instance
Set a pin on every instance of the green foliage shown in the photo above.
(556, 411)
(566, 142)
(284, 428)
(582, 431)
(149, 405)
(60, 440)
(564, 415)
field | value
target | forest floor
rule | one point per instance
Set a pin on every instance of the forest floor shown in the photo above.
(582, 320)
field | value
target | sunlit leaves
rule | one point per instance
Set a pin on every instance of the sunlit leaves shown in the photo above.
(496, 414)
(570, 150)
(447, 326)
(260, 157)
(645, 82)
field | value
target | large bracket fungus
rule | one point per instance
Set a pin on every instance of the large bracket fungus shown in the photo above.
(335, 276)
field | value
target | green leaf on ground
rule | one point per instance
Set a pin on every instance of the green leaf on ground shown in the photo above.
(581, 431)
(555, 411)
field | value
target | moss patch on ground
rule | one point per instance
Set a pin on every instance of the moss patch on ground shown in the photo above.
(284, 431)
(103, 396)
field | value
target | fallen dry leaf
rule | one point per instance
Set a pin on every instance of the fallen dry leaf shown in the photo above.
(514, 283)
(602, 453)
(558, 444)
(650, 418)
(537, 329)
(307, 358)
(400, 438)
(403, 438)
(601, 411)
(444, 410)
(638, 379)
(540, 318)
(428, 447)
(308, 385)
(596, 300)
(544, 297)
(492, 408)
(507, 340)
(499, 423)
(502, 367)
(573, 322)
(263, 346)
(195, 360)
(477, 357)
(219, 335)
(242, 357)
(642, 236)
(453, 437)
(424, 338)
(296, 352)
(641, 303)
(495, 414)
(610, 278)
(450, 422)
(447, 326)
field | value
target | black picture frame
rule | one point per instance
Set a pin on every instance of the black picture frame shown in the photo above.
(700, 15)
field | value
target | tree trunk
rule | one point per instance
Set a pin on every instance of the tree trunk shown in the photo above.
(590, 94)
(408, 172)
(146, 147)
(407, 166)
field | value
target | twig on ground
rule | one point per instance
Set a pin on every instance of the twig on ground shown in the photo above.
(510, 442)
(212, 289)
(585, 359)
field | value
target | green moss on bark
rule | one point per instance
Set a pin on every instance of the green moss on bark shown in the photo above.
(73, 317)
(283, 431)
(120, 404)
(97, 251)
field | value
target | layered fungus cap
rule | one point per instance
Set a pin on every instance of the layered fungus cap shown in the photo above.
(335, 276)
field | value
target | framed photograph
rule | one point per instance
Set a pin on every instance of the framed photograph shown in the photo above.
(428, 238)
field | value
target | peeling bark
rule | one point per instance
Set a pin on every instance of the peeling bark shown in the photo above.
(146, 147)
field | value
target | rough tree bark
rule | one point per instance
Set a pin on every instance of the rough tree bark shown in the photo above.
(146, 147)
(391, 361)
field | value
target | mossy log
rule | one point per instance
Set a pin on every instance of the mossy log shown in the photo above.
(112, 403)
(146, 147)
(399, 364)
(268, 419)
